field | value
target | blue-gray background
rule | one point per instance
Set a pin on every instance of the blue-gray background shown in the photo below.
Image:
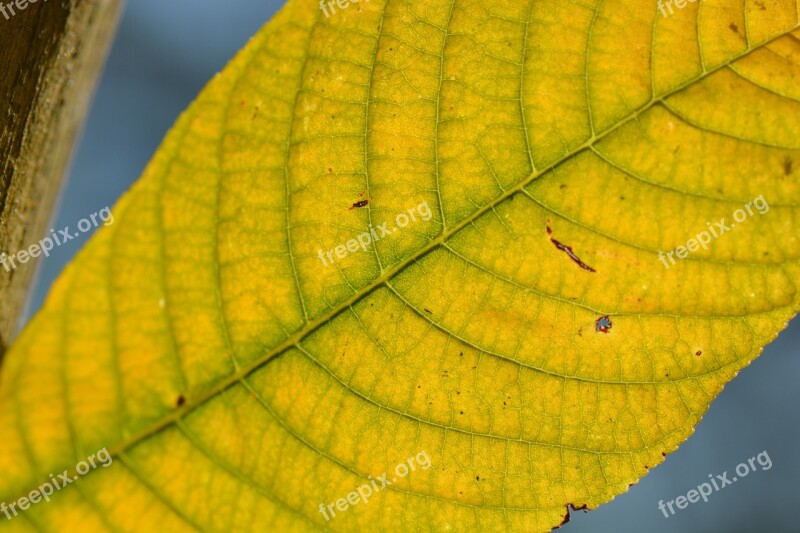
(164, 54)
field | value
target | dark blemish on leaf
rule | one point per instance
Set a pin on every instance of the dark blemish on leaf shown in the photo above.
(698, 353)
(427, 310)
(330, 170)
(462, 412)
(458, 392)
(621, 197)
(360, 203)
(664, 454)
(734, 28)
(580, 332)
(362, 193)
(787, 166)
(477, 478)
(568, 250)
(603, 324)
(562, 186)
(180, 401)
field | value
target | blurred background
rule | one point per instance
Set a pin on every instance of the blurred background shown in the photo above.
(164, 54)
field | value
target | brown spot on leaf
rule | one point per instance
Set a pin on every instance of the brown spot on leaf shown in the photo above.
(568, 250)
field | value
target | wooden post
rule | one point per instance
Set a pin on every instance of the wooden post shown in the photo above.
(51, 55)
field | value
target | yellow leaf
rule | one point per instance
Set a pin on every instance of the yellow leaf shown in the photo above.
(478, 239)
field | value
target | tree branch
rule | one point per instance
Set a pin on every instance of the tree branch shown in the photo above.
(51, 55)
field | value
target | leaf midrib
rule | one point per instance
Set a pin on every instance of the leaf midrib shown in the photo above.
(311, 326)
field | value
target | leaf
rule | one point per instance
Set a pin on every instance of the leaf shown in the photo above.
(526, 338)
